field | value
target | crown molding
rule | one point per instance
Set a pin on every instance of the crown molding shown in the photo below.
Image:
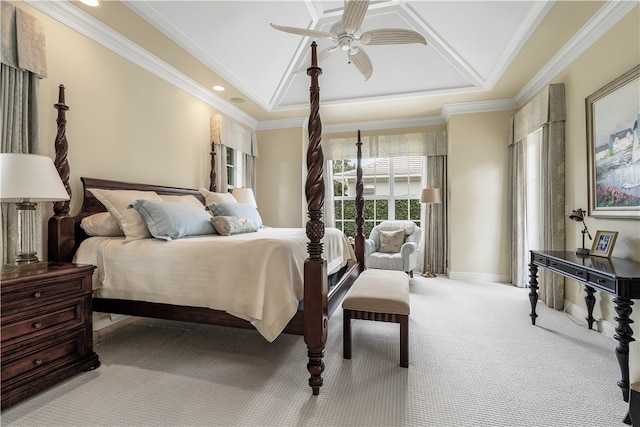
(295, 122)
(74, 18)
(596, 27)
(477, 107)
(384, 124)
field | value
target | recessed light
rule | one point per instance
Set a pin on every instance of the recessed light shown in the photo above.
(237, 100)
(92, 3)
(218, 88)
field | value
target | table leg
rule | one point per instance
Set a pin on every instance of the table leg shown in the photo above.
(624, 335)
(590, 301)
(533, 294)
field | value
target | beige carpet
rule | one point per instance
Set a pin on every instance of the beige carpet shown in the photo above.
(475, 360)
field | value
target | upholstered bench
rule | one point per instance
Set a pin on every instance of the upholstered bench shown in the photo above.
(383, 296)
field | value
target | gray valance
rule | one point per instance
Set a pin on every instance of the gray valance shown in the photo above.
(23, 41)
(233, 135)
(406, 144)
(547, 106)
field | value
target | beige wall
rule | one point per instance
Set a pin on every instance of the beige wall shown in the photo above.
(478, 196)
(123, 123)
(279, 187)
(615, 53)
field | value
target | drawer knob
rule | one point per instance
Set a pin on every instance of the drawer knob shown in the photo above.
(579, 273)
(37, 362)
(601, 280)
(37, 325)
(36, 294)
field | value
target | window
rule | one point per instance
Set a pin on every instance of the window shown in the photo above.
(235, 166)
(392, 188)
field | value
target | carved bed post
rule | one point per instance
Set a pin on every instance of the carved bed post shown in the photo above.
(359, 207)
(61, 226)
(315, 266)
(212, 174)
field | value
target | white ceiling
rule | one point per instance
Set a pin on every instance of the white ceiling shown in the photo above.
(470, 44)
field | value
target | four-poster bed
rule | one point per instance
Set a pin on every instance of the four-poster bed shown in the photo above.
(319, 299)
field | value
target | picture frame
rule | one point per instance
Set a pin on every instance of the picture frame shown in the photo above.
(613, 148)
(603, 243)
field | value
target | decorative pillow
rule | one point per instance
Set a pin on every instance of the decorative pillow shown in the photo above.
(117, 203)
(211, 197)
(101, 224)
(187, 199)
(391, 241)
(170, 220)
(236, 209)
(227, 225)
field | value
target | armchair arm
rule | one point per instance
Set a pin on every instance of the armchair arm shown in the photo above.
(369, 247)
(409, 255)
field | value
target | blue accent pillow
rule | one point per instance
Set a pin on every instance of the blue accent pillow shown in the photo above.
(241, 210)
(171, 220)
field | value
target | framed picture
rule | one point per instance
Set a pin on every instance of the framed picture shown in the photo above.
(603, 243)
(613, 147)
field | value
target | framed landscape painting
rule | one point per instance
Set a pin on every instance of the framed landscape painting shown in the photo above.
(613, 147)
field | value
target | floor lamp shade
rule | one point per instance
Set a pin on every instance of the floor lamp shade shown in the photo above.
(245, 195)
(431, 195)
(26, 179)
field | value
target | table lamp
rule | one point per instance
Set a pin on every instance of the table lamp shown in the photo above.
(429, 196)
(26, 179)
(245, 195)
(578, 216)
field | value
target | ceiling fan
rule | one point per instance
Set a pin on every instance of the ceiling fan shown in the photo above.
(346, 32)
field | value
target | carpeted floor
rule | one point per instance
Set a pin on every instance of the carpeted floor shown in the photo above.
(474, 360)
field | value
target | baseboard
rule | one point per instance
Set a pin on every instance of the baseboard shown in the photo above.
(580, 314)
(479, 277)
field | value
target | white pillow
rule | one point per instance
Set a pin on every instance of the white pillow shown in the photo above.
(391, 241)
(187, 199)
(213, 198)
(101, 224)
(117, 203)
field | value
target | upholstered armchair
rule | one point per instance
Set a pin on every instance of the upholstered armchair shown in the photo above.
(393, 245)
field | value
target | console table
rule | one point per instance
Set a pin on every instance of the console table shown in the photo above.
(615, 276)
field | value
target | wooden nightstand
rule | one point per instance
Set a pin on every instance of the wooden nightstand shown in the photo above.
(46, 324)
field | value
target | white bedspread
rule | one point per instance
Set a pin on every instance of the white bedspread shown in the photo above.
(255, 276)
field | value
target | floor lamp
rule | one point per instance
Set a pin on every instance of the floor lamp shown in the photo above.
(429, 196)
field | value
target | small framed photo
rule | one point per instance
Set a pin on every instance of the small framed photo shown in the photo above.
(603, 243)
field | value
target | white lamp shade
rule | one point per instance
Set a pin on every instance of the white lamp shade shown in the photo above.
(430, 195)
(245, 195)
(29, 178)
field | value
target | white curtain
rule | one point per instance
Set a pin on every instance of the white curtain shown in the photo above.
(226, 133)
(544, 114)
(23, 57)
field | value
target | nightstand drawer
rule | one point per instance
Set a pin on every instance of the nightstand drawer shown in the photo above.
(36, 360)
(67, 314)
(27, 296)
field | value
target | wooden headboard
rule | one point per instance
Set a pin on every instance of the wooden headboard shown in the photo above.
(90, 205)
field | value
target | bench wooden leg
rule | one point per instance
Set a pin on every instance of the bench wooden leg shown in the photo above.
(404, 341)
(346, 335)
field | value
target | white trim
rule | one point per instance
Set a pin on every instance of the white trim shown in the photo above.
(384, 124)
(600, 23)
(74, 18)
(478, 277)
(477, 107)
(295, 122)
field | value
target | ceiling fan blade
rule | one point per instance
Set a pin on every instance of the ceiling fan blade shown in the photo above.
(301, 31)
(324, 54)
(353, 15)
(361, 61)
(391, 36)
